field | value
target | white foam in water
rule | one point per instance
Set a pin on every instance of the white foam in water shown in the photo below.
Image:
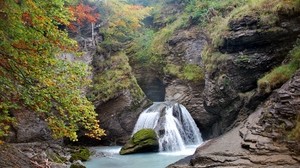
(174, 126)
(178, 137)
(148, 119)
(188, 150)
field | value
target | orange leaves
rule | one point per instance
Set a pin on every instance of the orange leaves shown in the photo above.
(83, 13)
(26, 18)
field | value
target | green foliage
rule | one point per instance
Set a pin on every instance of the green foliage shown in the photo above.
(190, 72)
(141, 47)
(163, 35)
(115, 79)
(281, 74)
(122, 20)
(213, 59)
(82, 154)
(32, 75)
(203, 11)
(150, 47)
(193, 72)
(216, 23)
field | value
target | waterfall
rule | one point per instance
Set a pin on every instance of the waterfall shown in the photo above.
(173, 124)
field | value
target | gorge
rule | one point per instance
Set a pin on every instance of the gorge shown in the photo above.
(229, 68)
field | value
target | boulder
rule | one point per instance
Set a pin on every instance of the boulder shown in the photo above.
(145, 140)
(28, 128)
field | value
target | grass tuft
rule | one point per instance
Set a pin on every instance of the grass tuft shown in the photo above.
(281, 74)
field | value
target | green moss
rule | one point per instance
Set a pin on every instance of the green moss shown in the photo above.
(172, 69)
(57, 158)
(145, 140)
(143, 134)
(213, 59)
(295, 133)
(190, 72)
(77, 166)
(82, 154)
(116, 78)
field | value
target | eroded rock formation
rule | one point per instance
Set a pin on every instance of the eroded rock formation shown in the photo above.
(249, 50)
(262, 140)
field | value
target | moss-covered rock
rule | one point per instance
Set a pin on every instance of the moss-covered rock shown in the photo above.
(82, 154)
(145, 140)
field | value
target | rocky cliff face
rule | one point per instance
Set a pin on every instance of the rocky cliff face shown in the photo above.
(248, 51)
(260, 141)
(185, 47)
(116, 95)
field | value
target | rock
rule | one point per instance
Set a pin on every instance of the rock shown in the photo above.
(34, 154)
(77, 164)
(151, 83)
(29, 127)
(185, 47)
(250, 50)
(58, 165)
(145, 140)
(119, 101)
(12, 157)
(252, 143)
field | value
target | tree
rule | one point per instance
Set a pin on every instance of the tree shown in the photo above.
(82, 13)
(122, 20)
(33, 77)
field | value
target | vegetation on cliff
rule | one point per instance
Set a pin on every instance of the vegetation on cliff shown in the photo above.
(33, 34)
(32, 74)
(114, 80)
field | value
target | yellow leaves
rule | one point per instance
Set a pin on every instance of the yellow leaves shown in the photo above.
(49, 82)
(124, 19)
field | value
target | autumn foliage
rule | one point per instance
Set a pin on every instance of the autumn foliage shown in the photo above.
(34, 77)
(82, 13)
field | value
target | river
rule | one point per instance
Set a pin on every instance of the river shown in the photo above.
(108, 157)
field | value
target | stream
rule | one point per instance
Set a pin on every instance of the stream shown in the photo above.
(177, 133)
(108, 157)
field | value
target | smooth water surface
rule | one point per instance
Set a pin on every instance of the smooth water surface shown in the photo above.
(112, 159)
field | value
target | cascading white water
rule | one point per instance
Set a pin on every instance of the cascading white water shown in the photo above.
(173, 124)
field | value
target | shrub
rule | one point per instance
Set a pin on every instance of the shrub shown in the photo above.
(82, 154)
(190, 72)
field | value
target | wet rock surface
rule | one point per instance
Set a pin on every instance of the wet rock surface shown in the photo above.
(261, 141)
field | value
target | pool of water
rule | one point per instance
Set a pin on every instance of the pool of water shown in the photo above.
(108, 157)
